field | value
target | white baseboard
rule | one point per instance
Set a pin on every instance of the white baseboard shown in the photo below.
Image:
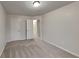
(63, 48)
(2, 50)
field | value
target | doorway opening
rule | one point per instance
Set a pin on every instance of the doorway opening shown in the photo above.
(35, 34)
(36, 28)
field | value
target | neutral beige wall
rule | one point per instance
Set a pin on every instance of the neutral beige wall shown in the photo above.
(61, 28)
(2, 28)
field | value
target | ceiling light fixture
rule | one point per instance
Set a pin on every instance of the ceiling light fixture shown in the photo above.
(36, 3)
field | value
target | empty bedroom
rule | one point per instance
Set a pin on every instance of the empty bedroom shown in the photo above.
(39, 29)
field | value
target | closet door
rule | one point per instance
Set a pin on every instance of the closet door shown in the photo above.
(17, 28)
(29, 29)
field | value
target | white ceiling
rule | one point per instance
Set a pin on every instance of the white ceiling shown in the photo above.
(26, 7)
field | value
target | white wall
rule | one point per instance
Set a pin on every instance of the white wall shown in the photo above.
(17, 27)
(61, 28)
(2, 28)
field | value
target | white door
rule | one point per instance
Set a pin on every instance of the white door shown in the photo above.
(17, 27)
(29, 29)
